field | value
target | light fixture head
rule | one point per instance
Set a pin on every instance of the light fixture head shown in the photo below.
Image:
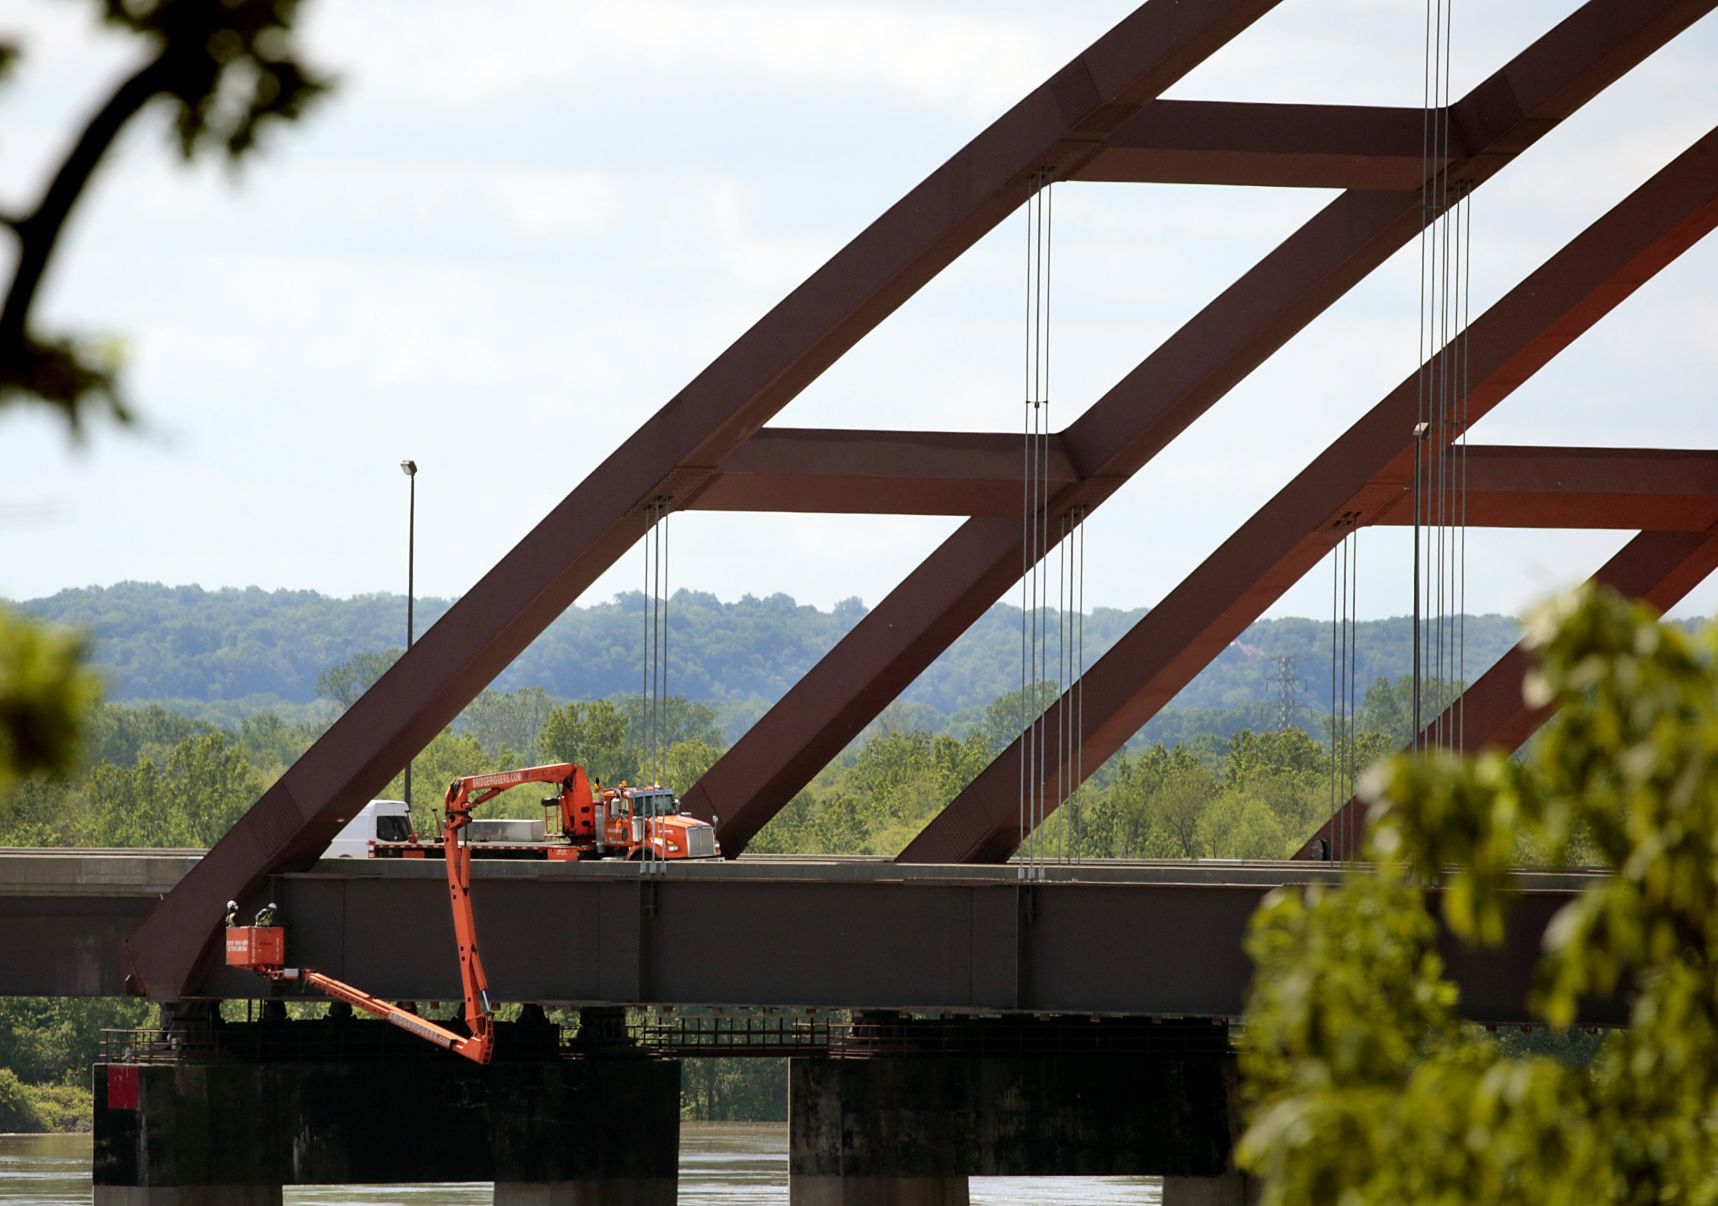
(409, 468)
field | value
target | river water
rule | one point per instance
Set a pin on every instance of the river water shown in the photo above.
(720, 1163)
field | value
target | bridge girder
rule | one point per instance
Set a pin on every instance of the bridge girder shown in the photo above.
(1100, 103)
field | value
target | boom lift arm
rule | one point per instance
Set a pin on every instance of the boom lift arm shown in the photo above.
(463, 795)
(262, 947)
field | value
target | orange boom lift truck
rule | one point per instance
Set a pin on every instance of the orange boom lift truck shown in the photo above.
(615, 822)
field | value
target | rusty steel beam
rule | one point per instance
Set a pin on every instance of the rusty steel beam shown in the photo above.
(1272, 145)
(1229, 338)
(1054, 130)
(978, 473)
(1631, 489)
(876, 473)
(1659, 568)
(1294, 531)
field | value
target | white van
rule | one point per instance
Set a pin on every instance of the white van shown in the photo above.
(377, 821)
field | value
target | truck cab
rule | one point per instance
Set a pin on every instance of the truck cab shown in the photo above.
(649, 821)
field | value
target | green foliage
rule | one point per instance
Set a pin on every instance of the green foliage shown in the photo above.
(46, 1048)
(733, 1090)
(345, 681)
(592, 734)
(507, 719)
(878, 800)
(43, 1039)
(1365, 1087)
(65, 1105)
(123, 735)
(18, 1108)
(205, 785)
(1389, 706)
(685, 762)
(44, 693)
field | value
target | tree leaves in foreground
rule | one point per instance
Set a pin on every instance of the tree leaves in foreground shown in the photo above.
(45, 692)
(1365, 1086)
(228, 69)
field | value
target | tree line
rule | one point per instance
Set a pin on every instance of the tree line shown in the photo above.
(228, 653)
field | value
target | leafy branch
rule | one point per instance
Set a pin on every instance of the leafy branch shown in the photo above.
(230, 69)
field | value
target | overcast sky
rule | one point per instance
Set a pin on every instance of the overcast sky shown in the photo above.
(520, 227)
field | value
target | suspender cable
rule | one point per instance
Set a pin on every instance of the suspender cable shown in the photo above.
(1344, 684)
(648, 679)
(1080, 687)
(1466, 353)
(1055, 691)
(1335, 743)
(1440, 468)
(1028, 413)
(1035, 681)
(1353, 679)
(662, 733)
(653, 698)
(1047, 232)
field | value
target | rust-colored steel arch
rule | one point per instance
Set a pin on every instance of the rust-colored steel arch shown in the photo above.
(1055, 130)
(1100, 102)
(1229, 338)
(1357, 479)
(1657, 567)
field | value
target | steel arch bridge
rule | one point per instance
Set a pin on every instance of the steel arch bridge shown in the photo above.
(1097, 119)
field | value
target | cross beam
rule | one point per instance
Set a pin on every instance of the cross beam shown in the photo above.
(979, 473)
(1632, 489)
(1285, 146)
(877, 473)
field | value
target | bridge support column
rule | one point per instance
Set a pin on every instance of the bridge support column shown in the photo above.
(913, 1127)
(542, 1129)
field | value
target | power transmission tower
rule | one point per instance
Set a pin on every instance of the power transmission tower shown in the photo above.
(1288, 683)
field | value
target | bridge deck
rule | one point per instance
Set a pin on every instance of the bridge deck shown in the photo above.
(1136, 938)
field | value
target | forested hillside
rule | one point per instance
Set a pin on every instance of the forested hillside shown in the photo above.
(253, 650)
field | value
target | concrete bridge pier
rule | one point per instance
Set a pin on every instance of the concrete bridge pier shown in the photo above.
(911, 1127)
(219, 1126)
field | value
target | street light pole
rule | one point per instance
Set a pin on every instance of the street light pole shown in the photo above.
(410, 469)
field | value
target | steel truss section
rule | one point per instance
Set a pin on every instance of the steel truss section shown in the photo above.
(1234, 334)
(1356, 480)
